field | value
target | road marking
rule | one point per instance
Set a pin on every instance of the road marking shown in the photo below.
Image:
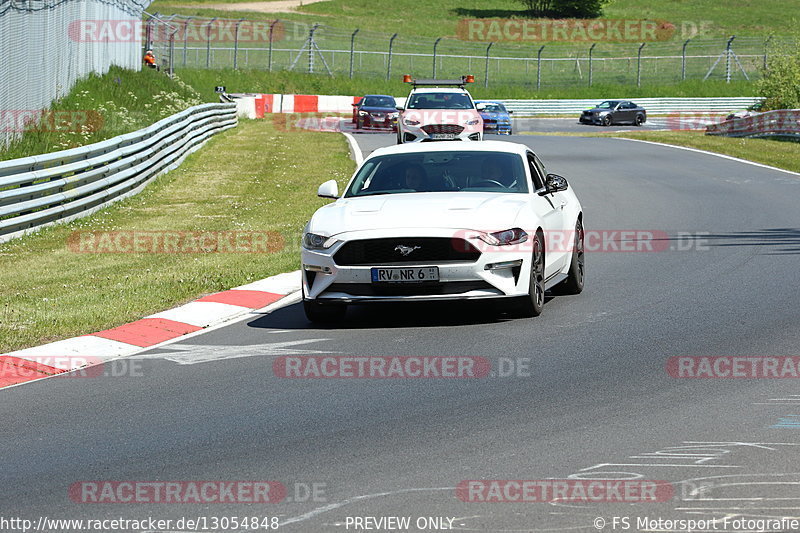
(192, 354)
(788, 421)
(358, 155)
(337, 505)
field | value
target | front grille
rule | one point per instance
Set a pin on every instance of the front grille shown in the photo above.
(443, 128)
(409, 289)
(375, 252)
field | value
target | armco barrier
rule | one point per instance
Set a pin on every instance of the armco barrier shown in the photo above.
(257, 105)
(654, 106)
(778, 123)
(57, 187)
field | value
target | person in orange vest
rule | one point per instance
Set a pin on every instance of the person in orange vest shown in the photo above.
(150, 60)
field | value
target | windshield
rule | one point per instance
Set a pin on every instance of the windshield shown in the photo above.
(453, 171)
(608, 104)
(494, 108)
(378, 101)
(439, 101)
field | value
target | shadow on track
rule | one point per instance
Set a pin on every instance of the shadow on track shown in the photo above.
(393, 315)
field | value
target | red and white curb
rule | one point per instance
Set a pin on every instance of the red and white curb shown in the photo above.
(212, 310)
(257, 105)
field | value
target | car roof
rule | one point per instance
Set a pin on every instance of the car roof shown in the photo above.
(488, 102)
(380, 95)
(443, 146)
(439, 90)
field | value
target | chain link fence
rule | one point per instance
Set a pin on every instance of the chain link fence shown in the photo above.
(286, 45)
(46, 50)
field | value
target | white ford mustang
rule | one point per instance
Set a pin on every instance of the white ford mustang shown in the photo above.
(443, 221)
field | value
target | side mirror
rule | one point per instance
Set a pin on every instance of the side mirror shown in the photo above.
(329, 189)
(555, 183)
(510, 112)
(480, 107)
(354, 105)
(400, 108)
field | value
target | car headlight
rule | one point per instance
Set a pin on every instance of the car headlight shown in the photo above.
(362, 113)
(472, 122)
(601, 113)
(410, 122)
(313, 241)
(394, 115)
(505, 237)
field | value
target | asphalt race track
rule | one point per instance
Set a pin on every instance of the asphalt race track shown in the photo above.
(595, 400)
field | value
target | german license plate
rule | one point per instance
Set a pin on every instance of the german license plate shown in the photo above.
(405, 275)
(443, 136)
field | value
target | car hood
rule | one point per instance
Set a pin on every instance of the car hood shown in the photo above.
(597, 109)
(459, 210)
(495, 115)
(379, 109)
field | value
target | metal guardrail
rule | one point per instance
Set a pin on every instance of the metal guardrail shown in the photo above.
(61, 186)
(778, 123)
(654, 106)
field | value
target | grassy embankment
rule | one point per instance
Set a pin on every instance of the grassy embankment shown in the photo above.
(254, 178)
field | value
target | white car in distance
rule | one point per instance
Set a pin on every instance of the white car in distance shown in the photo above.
(444, 221)
(439, 110)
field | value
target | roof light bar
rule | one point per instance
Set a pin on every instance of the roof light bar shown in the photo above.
(427, 82)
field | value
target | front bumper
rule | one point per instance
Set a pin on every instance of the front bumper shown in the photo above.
(371, 121)
(593, 118)
(496, 273)
(418, 134)
(500, 128)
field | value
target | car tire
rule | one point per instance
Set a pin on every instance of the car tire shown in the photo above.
(359, 124)
(639, 120)
(324, 313)
(533, 304)
(577, 270)
(605, 121)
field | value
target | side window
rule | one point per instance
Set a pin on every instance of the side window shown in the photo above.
(537, 171)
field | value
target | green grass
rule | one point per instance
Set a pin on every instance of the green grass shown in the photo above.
(778, 153)
(119, 102)
(255, 177)
(284, 82)
(564, 64)
(722, 17)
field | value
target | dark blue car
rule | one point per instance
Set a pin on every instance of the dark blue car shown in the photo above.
(496, 118)
(376, 111)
